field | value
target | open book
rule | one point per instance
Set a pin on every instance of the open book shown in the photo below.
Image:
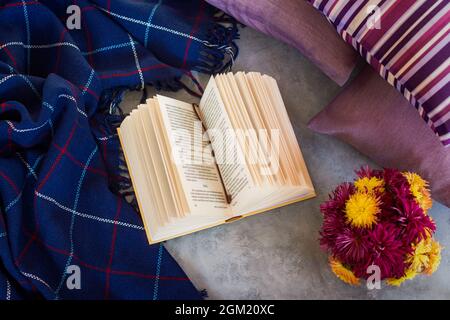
(197, 166)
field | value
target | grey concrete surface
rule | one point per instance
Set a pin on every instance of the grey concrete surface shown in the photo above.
(276, 255)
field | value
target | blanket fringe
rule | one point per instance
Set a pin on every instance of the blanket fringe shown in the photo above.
(204, 293)
(109, 117)
(221, 50)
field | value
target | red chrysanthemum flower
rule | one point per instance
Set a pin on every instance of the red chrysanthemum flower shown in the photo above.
(332, 226)
(394, 179)
(414, 224)
(333, 215)
(366, 172)
(386, 251)
(337, 200)
(351, 245)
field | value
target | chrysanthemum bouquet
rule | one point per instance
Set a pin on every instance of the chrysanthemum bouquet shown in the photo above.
(380, 220)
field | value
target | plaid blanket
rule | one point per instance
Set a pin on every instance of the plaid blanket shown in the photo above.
(63, 233)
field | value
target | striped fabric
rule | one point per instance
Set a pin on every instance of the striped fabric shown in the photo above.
(407, 42)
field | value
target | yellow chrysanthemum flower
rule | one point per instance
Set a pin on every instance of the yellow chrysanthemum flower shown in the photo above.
(426, 256)
(409, 275)
(343, 272)
(435, 258)
(424, 259)
(419, 189)
(361, 209)
(419, 258)
(369, 184)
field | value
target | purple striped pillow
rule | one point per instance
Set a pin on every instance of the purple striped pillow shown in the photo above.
(408, 43)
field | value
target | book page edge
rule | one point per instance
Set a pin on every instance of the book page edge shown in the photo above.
(141, 212)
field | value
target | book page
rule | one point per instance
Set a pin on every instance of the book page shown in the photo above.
(192, 158)
(137, 174)
(150, 173)
(229, 156)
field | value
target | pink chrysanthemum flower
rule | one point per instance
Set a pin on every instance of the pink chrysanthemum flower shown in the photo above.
(333, 215)
(351, 245)
(386, 251)
(366, 172)
(337, 200)
(415, 225)
(332, 226)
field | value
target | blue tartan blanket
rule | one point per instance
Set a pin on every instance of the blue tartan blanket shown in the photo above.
(66, 232)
